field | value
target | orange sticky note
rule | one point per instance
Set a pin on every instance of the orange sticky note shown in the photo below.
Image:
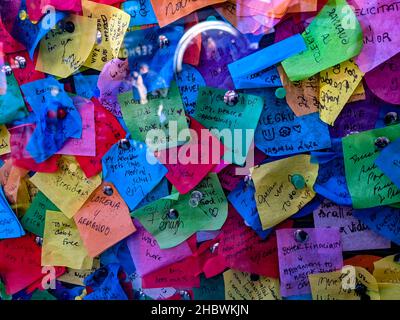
(103, 220)
(168, 11)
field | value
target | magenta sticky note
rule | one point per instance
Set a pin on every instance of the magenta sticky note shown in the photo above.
(147, 255)
(355, 234)
(86, 145)
(320, 252)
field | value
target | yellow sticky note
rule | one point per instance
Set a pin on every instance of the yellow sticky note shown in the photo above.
(276, 195)
(112, 23)
(64, 49)
(389, 291)
(240, 286)
(68, 188)
(336, 85)
(76, 276)
(387, 270)
(340, 285)
(62, 245)
(4, 140)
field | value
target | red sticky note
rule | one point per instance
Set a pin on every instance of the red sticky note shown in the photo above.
(192, 52)
(20, 136)
(245, 251)
(9, 43)
(180, 275)
(108, 132)
(187, 176)
(210, 262)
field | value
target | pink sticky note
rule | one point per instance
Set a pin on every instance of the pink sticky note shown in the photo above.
(147, 254)
(320, 252)
(185, 176)
(384, 80)
(86, 145)
(381, 38)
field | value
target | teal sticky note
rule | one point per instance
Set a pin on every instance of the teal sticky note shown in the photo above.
(12, 104)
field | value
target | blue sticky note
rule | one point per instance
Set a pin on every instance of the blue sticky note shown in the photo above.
(141, 12)
(105, 284)
(47, 97)
(189, 80)
(331, 180)
(160, 191)
(265, 78)
(242, 199)
(152, 61)
(119, 253)
(29, 34)
(388, 162)
(385, 221)
(267, 57)
(280, 132)
(9, 223)
(86, 86)
(133, 169)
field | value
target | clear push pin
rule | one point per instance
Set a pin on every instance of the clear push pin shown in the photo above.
(99, 37)
(300, 236)
(21, 62)
(214, 247)
(298, 181)
(382, 142)
(7, 70)
(163, 41)
(231, 97)
(184, 294)
(108, 190)
(390, 118)
(124, 144)
(173, 214)
(69, 27)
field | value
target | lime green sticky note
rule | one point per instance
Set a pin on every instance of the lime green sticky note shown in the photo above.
(33, 220)
(173, 219)
(42, 295)
(162, 113)
(3, 294)
(233, 121)
(368, 185)
(333, 36)
(12, 105)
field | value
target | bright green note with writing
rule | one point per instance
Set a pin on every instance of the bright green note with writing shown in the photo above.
(164, 114)
(233, 123)
(333, 36)
(368, 185)
(173, 219)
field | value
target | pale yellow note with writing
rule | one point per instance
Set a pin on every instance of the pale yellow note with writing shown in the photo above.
(341, 285)
(76, 276)
(336, 85)
(387, 270)
(389, 291)
(62, 244)
(68, 188)
(64, 49)
(276, 196)
(241, 286)
(4, 140)
(112, 23)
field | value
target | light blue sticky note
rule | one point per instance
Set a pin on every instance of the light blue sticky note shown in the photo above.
(265, 78)
(86, 86)
(242, 199)
(385, 221)
(189, 80)
(388, 161)
(280, 132)
(133, 170)
(9, 223)
(267, 57)
(141, 12)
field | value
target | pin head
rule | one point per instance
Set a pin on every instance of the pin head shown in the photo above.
(231, 98)
(7, 70)
(280, 93)
(300, 236)
(61, 113)
(360, 289)
(254, 277)
(173, 214)
(21, 61)
(51, 114)
(382, 142)
(184, 294)
(214, 247)
(163, 41)
(69, 26)
(108, 190)
(390, 118)
(298, 181)
(124, 144)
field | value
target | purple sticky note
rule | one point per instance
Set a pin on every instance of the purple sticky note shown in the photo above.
(147, 255)
(320, 252)
(355, 234)
(86, 145)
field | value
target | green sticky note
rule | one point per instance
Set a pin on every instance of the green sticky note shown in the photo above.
(3, 294)
(368, 185)
(42, 295)
(12, 105)
(233, 124)
(208, 214)
(33, 220)
(333, 36)
(164, 114)
(210, 288)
